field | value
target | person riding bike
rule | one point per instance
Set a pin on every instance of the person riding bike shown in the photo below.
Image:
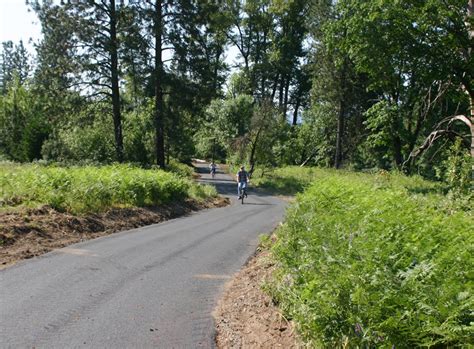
(212, 169)
(242, 180)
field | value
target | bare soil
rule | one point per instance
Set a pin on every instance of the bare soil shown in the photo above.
(27, 233)
(246, 316)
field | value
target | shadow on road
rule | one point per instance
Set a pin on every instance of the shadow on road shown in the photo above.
(216, 180)
(201, 168)
(224, 183)
(259, 204)
(224, 187)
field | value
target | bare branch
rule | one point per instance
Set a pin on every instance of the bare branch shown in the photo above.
(462, 118)
(441, 130)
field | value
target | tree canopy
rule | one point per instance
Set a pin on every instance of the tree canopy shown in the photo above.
(374, 84)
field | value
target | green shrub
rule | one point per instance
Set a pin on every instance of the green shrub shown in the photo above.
(180, 169)
(376, 261)
(287, 180)
(458, 170)
(201, 192)
(90, 188)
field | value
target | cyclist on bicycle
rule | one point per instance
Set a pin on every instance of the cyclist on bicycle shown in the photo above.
(242, 180)
(212, 169)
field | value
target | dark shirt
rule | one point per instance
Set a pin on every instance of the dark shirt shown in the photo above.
(243, 176)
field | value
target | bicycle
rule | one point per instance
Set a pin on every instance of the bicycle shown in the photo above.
(213, 173)
(243, 193)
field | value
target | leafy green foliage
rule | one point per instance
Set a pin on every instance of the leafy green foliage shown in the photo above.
(286, 181)
(86, 136)
(382, 123)
(180, 169)
(138, 136)
(92, 189)
(376, 261)
(456, 171)
(393, 70)
(23, 128)
(227, 120)
(14, 64)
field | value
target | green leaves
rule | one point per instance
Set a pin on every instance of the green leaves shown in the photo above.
(374, 263)
(411, 55)
(23, 128)
(92, 189)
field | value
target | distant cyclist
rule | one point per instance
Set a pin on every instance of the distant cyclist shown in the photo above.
(213, 169)
(242, 180)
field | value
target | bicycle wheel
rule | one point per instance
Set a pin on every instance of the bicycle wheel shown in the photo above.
(243, 194)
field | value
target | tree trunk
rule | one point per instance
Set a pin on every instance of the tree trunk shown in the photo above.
(472, 131)
(339, 135)
(215, 84)
(252, 152)
(295, 112)
(340, 118)
(115, 84)
(253, 149)
(285, 101)
(280, 93)
(159, 116)
(397, 151)
(470, 9)
(275, 84)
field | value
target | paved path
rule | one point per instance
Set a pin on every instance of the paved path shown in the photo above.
(152, 287)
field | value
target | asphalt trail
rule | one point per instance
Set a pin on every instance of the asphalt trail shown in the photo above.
(152, 287)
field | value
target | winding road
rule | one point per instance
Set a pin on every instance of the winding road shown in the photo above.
(152, 287)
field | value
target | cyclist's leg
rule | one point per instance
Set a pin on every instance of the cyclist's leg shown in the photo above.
(238, 189)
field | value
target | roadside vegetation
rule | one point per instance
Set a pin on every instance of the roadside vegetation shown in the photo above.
(366, 259)
(91, 189)
(375, 260)
(286, 180)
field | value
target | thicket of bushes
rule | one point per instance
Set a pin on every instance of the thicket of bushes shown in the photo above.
(91, 188)
(377, 261)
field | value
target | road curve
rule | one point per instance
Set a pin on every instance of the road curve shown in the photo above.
(152, 287)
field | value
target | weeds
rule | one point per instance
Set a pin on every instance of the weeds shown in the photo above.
(376, 261)
(92, 188)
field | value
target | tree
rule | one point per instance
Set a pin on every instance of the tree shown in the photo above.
(465, 73)
(338, 92)
(23, 128)
(85, 34)
(14, 61)
(409, 50)
(287, 45)
(97, 26)
(192, 38)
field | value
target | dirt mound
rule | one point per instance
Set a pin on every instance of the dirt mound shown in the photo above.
(32, 232)
(246, 317)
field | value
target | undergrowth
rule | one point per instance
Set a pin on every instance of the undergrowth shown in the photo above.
(92, 188)
(376, 261)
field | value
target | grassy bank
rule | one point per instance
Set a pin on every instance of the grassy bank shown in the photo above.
(294, 179)
(92, 189)
(375, 260)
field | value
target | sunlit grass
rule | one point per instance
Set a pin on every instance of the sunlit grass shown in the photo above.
(375, 260)
(91, 188)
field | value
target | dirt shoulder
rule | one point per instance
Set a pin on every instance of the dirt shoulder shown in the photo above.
(31, 232)
(246, 316)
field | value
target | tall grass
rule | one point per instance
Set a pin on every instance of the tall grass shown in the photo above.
(294, 179)
(376, 261)
(91, 188)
